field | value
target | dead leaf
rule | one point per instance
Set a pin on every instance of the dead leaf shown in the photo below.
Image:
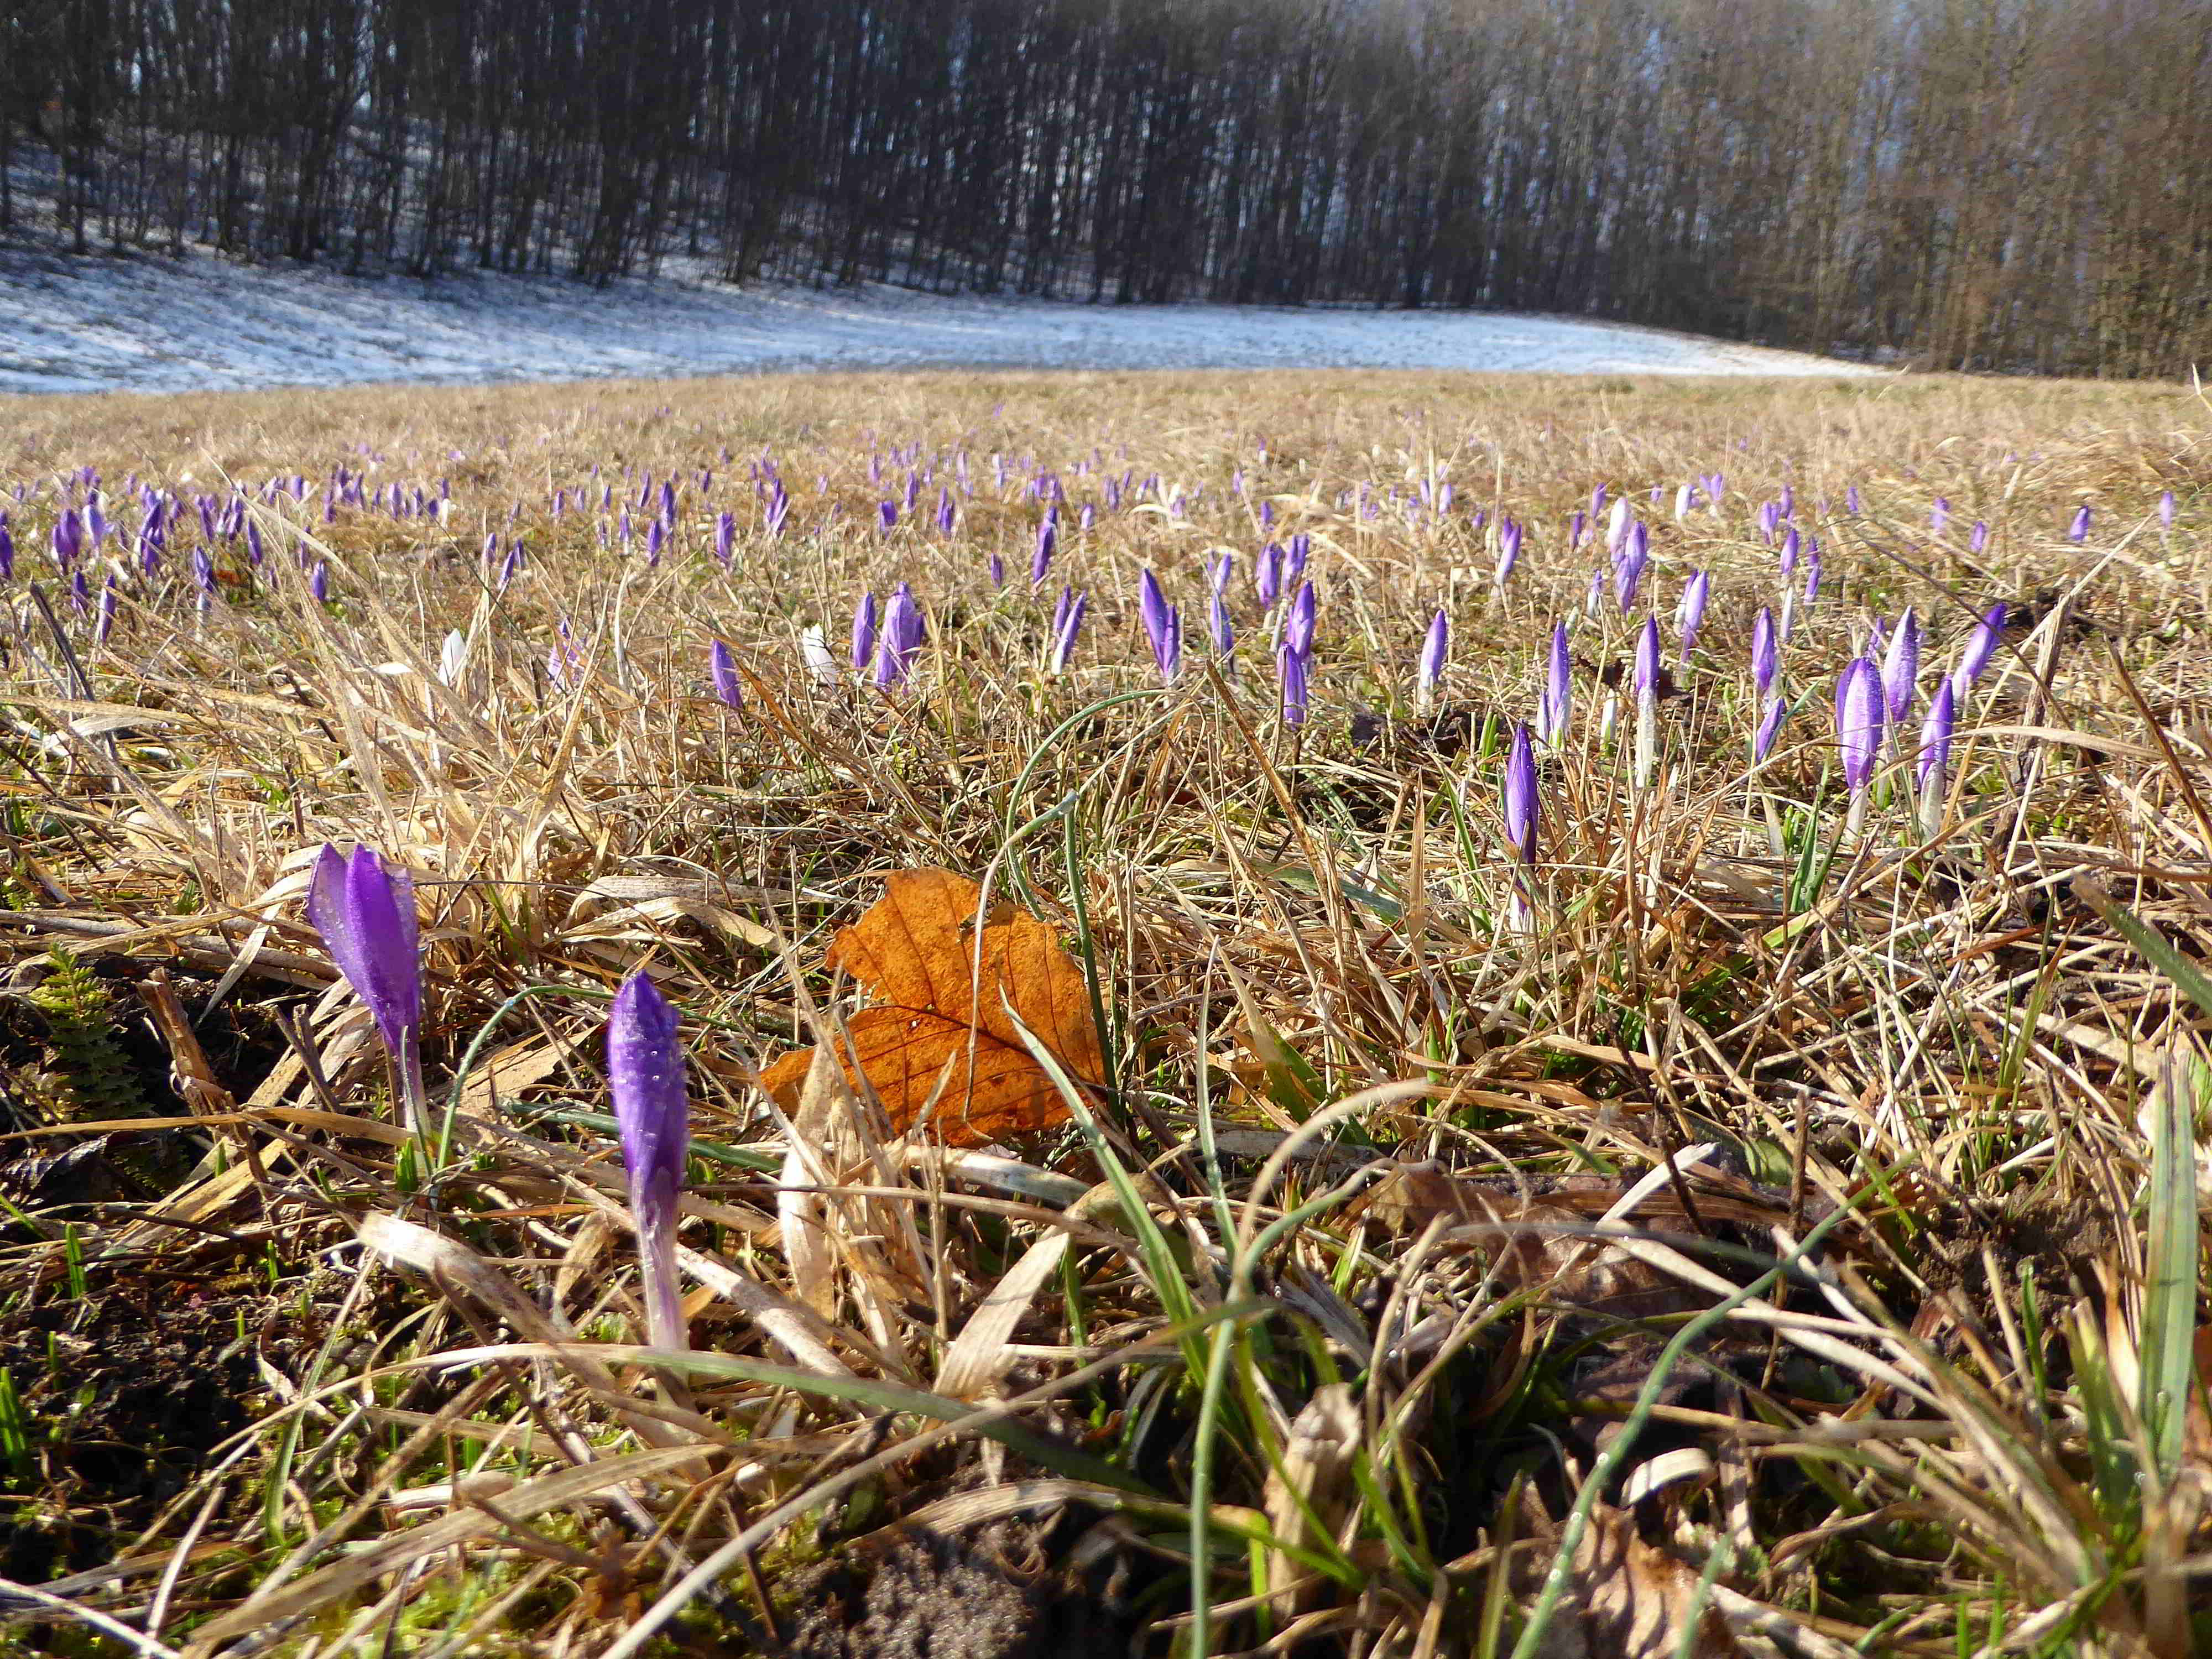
(943, 974)
(1626, 1600)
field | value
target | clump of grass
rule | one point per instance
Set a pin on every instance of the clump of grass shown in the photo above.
(1738, 1208)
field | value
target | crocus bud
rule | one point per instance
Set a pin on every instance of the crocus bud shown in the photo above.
(1434, 649)
(1900, 666)
(2079, 530)
(1509, 548)
(1685, 498)
(1291, 664)
(1852, 500)
(1298, 629)
(1939, 516)
(366, 915)
(1765, 657)
(1859, 722)
(1520, 797)
(1068, 623)
(1981, 646)
(1163, 627)
(1977, 538)
(1645, 686)
(1555, 708)
(1695, 595)
(645, 1074)
(1770, 726)
(1616, 529)
(1048, 537)
(2166, 510)
(1935, 734)
(1267, 574)
(864, 632)
(1787, 558)
(723, 672)
(902, 637)
(726, 538)
(814, 652)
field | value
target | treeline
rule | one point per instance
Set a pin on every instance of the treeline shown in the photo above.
(2003, 184)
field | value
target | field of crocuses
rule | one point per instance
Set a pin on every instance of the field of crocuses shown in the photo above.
(1365, 1014)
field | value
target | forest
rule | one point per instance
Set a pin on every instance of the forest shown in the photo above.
(2020, 185)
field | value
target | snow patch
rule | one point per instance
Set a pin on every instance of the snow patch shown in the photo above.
(205, 324)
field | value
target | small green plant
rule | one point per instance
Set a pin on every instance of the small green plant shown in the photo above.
(87, 1075)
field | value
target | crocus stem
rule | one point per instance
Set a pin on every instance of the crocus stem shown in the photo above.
(664, 1324)
(1855, 820)
(414, 1093)
(1933, 788)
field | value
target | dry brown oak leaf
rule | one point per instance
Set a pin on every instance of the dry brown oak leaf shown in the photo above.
(939, 1029)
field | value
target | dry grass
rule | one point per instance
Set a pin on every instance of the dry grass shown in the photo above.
(1795, 1236)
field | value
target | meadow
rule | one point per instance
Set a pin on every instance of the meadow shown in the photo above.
(1320, 1013)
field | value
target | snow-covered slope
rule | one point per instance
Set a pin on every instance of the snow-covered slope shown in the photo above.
(147, 325)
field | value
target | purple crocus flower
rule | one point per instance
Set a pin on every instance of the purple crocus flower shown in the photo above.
(68, 538)
(1629, 566)
(1267, 576)
(1935, 735)
(1695, 594)
(1977, 538)
(1218, 570)
(887, 516)
(947, 513)
(2166, 510)
(104, 621)
(365, 912)
(1859, 722)
(722, 669)
(1939, 516)
(1066, 624)
(1162, 624)
(203, 574)
(1291, 664)
(1520, 797)
(1434, 650)
(1509, 548)
(1790, 543)
(1770, 726)
(6, 555)
(1553, 709)
(1294, 557)
(1981, 646)
(903, 633)
(1813, 570)
(645, 1074)
(318, 581)
(1298, 628)
(1900, 666)
(1048, 534)
(726, 536)
(864, 632)
(1644, 680)
(779, 510)
(1765, 656)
